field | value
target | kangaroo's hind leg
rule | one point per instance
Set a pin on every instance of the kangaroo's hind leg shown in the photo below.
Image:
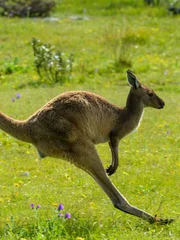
(86, 157)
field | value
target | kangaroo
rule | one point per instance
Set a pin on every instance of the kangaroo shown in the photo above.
(69, 126)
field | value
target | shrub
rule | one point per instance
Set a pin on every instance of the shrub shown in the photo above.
(51, 66)
(26, 8)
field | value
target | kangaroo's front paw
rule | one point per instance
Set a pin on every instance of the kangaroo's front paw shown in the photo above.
(110, 170)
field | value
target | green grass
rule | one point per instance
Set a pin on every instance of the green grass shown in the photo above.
(145, 39)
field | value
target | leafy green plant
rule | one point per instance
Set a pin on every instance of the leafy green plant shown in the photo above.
(13, 65)
(51, 66)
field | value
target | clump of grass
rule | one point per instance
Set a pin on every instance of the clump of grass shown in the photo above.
(61, 225)
(138, 37)
(52, 67)
(123, 43)
(120, 49)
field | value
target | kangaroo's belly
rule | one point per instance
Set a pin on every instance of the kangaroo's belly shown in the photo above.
(100, 139)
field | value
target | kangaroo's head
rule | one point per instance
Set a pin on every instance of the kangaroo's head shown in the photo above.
(144, 95)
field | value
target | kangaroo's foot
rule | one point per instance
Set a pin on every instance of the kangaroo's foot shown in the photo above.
(162, 221)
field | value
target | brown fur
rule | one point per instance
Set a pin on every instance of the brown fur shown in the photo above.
(71, 124)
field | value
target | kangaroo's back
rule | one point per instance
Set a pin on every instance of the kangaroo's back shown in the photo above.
(93, 116)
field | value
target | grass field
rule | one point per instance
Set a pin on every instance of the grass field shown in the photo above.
(112, 38)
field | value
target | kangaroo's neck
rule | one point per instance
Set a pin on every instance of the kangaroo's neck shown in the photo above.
(15, 128)
(133, 112)
(134, 105)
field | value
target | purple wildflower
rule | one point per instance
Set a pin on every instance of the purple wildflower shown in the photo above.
(18, 95)
(38, 206)
(67, 215)
(60, 215)
(60, 207)
(13, 99)
(32, 205)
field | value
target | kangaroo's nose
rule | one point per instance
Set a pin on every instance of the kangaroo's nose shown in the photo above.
(162, 104)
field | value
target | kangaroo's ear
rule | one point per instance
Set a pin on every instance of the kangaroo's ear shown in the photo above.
(133, 80)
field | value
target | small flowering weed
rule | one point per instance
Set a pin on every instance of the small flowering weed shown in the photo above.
(60, 214)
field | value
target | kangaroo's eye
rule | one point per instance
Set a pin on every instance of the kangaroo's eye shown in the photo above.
(150, 94)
